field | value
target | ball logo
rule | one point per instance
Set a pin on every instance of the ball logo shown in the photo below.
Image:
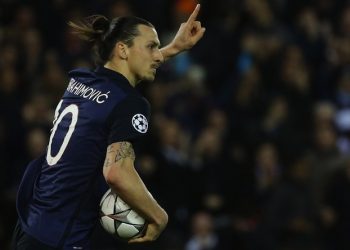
(140, 123)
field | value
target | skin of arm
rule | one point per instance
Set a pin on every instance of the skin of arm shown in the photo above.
(186, 37)
(123, 179)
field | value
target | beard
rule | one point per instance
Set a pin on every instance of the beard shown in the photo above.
(149, 77)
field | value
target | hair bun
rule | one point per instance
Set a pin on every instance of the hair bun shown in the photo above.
(100, 24)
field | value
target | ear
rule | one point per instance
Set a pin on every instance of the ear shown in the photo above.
(122, 50)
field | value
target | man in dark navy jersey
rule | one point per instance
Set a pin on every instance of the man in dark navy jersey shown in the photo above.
(96, 122)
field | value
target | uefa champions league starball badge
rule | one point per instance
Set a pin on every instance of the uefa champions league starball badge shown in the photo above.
(140, 123)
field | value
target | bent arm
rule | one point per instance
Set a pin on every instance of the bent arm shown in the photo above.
(123, 179)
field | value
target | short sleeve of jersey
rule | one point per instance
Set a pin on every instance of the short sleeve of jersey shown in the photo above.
(129, 120)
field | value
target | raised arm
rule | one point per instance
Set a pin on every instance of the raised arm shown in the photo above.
(186, 37)
(124, 180)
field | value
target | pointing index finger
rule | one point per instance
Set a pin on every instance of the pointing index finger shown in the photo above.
(194, 14)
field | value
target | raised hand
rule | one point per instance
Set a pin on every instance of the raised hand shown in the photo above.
(189, 32)
(186, 37)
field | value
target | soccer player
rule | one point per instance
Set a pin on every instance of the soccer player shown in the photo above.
(97, 121)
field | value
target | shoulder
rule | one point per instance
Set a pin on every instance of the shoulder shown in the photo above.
(81, 72)
(135, 101)
(132, 105)
(129, 119)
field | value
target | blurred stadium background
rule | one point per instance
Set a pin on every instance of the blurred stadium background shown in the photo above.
(250, 132)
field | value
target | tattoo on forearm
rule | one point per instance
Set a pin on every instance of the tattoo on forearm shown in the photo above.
(125, 151)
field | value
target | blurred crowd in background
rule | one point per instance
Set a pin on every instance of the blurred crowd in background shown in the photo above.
(250, 131)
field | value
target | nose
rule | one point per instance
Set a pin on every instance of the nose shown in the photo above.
(159, 57)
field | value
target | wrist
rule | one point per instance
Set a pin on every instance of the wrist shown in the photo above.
(162, 219)
(174, 48)
(170, 50)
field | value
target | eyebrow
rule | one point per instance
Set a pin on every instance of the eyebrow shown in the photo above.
(155, 43)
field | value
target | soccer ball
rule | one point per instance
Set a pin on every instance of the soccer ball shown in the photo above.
(118, 219)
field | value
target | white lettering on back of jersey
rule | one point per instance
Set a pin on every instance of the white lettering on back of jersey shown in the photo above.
(80, 89)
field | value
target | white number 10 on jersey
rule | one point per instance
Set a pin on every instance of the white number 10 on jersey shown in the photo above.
(73, 109)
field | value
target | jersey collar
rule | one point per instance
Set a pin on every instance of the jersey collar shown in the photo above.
(117, 77)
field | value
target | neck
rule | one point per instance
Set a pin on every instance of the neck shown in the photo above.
(121, 69)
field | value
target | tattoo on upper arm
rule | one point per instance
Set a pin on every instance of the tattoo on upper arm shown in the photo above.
(110, 149)
(107, 162)
(125, 151)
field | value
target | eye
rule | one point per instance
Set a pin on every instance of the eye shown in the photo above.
(153, 46)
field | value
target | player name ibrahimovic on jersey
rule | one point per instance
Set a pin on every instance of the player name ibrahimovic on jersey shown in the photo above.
(60, 192)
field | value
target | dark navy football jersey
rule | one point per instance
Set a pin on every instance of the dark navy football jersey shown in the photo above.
(58, 199)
